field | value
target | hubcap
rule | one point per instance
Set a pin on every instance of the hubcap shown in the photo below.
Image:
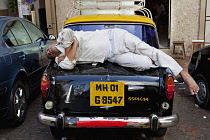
(202, 92)
(19, 102)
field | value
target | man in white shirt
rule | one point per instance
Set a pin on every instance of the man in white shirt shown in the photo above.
(115, 45)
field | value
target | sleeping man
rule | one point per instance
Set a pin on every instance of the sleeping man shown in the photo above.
(113, 45)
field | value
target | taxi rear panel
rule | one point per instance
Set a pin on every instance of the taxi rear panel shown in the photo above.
(106, 91)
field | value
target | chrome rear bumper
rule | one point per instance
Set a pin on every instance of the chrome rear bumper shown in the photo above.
(152, 122)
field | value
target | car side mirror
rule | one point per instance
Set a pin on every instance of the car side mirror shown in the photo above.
(40, 39)
(51, 37)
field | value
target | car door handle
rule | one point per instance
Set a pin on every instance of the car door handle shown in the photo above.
(23, 56)
(7, 58)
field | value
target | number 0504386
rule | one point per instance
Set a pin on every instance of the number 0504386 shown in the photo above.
(106, 94)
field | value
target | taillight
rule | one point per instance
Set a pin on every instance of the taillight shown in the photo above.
(45, 84)
(170, 87)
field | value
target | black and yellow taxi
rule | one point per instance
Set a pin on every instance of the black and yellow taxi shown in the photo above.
(106, 95)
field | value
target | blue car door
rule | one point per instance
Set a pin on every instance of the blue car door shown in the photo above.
(24, 51)
(40, 39)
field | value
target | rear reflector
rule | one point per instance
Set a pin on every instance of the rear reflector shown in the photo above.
(45, 84)
(170, 87)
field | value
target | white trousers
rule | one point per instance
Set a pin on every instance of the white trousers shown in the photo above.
(129, 51)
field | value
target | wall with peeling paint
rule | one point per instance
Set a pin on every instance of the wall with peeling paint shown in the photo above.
(185, 21)
(62, 9)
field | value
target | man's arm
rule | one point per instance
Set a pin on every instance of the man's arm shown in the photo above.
(70, 52)
(192, 85)
(68, 60)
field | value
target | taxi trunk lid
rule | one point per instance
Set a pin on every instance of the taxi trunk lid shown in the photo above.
(108, 89)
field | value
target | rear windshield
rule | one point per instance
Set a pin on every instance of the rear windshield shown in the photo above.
(144, 32)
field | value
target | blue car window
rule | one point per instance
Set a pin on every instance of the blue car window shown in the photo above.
(19, 32)
(34, 31)
(9, 38)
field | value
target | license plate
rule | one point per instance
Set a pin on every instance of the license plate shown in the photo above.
(106, 94)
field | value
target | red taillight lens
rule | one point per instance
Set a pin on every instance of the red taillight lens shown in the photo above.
(45, 84)
(170, 87)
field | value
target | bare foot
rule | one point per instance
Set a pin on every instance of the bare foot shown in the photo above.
(192, 85)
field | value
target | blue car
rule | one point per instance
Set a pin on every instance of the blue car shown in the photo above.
(22, 61)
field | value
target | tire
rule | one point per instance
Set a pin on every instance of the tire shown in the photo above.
(18, 104)
(202, 98)
(54, 131)
(159, 133)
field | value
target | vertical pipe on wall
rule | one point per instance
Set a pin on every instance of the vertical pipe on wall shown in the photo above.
(20, 8)
(33, 17)
(202, 18)
(169, 21)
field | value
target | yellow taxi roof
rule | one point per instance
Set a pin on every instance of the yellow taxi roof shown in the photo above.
(109, 18)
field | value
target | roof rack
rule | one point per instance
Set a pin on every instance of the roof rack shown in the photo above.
(118, 5)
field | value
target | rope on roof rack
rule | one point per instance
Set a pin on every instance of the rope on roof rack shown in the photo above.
(79, 5)
(146, 12)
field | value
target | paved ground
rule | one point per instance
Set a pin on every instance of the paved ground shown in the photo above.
(194, 122)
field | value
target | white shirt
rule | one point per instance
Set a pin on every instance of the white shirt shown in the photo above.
(94, 46)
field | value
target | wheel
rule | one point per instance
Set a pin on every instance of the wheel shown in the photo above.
(202, 97)
(54, 131)
(18, 104)
(159, 133)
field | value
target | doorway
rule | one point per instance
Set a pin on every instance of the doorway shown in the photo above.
(161, 15)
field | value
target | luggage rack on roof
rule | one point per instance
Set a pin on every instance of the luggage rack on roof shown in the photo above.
(118, 5)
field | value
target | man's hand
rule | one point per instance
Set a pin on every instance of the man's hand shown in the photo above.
(61, 58)
(192, 85)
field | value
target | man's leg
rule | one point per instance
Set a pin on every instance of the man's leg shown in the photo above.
(136, 61)
(135, 45)
(160, 58)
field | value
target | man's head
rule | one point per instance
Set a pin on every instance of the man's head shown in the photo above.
(64, 40)
(52, 51)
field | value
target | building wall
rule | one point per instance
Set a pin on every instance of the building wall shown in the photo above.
(62, 9)
(185, 21)
(207, 23)
(3, 4)
(4, 8)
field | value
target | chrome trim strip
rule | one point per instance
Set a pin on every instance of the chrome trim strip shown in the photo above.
(133, 88)
(68, 95)
(138, 83)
